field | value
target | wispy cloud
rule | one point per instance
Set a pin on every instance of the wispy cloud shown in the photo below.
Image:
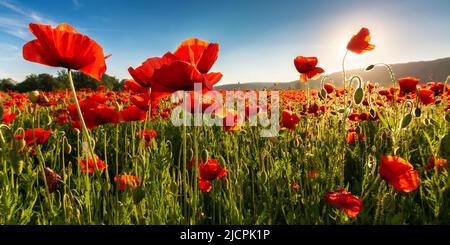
(16, 23)
(77, 4)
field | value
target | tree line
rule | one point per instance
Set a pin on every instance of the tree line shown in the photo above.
(47, 82)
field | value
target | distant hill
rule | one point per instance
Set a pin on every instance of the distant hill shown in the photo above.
(426, 71)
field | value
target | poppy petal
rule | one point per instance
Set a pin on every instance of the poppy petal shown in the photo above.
(208, 58)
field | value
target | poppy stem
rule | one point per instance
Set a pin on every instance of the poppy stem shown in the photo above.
(80, 115)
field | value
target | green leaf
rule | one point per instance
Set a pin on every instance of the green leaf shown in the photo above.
(406, 120)
(358, 96)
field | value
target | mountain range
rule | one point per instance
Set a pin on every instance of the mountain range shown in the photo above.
(425, 71)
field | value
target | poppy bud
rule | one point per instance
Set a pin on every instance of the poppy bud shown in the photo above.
(323, 94)
(370, 67)
(372, 113)
(205, 156)
(358, 96)
(34, 96)
(77, 131)
(406, 120)
(417, 112)
(67, 147)
(189, 155)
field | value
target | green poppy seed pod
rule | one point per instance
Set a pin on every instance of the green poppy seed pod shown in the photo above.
(67, 147)
(34, 96)
(205, 156)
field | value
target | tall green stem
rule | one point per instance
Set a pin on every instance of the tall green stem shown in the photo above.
(80, 115)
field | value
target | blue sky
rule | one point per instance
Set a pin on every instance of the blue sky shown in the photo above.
(258, 39)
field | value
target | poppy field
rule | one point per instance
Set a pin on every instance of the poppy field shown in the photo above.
(358, 153)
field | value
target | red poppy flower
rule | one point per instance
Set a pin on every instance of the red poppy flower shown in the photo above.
(8, 116)
(132, 113)
(307, 68)
(354, 117)
(189, 64)
(63, 46)
(343, 199)
(289, 119)
(94, 114)
(41, 136)
(353, 136)
(90, 166)
(360, 42)
(408, 84)
(127, 181)
(148, 135)
(328, 87)
(295, 186)
(426, 96)
(399, 173)
(436, 163)
(135, 87)
(209, 171)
